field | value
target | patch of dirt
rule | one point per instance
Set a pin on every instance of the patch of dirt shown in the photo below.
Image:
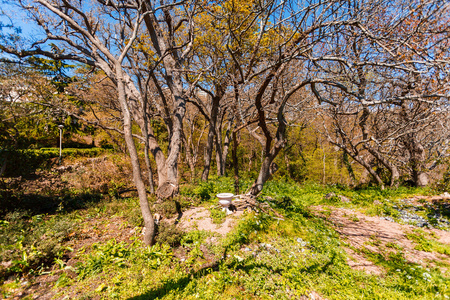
(359, 262)
(199, 218)
(373, 233)
(312, 296)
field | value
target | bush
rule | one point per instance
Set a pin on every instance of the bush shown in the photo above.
(169, 234)
(26, 161)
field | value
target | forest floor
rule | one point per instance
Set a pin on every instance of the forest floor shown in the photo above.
(367, 244)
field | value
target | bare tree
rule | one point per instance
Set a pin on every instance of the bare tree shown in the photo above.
(275, 66)
(104, 35)
(364, 85)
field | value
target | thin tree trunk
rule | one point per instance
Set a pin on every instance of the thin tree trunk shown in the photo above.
(149, 169)
(235, 163)
(219, 153)
(347, 164)
(211, 134)
(189, 156)
(268, 168)
(369, 169)
(323, 163)
(137, 176)
(395, 175)
(146, 149)
(417, 157)
(225, 149)
(208, 153)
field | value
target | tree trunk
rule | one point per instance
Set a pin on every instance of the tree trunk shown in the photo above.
(219, 153)
(189, 157)
(149, 223)
(395, 177)
(208, 153)
(268, 168)
(395, 174)
(211, 134)
(374, 175)
(415, 149)
(347, 164)
(235, 163)
(225, 149)
(369, 169)
(149, 169)
(417, 157)
(365, 133)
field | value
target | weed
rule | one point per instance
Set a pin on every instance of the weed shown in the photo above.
(218, 215)
(167, 208)
(103, 256)
(169, 234)
(63, 281)
(374, 240)
(354, 218)
(29, 243)
(290, 258)
(195, 237)
(427, 242)
(394, 246)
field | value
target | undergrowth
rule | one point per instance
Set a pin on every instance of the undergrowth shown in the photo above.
(30, 243)
(263, 257)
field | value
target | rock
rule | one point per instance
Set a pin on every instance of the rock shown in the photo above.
(6, 264)
(330, 195)
(344, 199)
(157, 217)
(390, 219)
(422, 224)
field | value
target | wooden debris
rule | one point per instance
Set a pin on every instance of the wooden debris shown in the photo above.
(245, 201)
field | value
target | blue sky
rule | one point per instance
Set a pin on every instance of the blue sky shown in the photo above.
(11, 15)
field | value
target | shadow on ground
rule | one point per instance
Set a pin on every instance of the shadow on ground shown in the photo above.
(13, 200)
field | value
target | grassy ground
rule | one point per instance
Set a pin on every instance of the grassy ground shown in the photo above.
(90, 247)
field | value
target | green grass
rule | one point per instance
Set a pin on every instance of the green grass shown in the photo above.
(29, 243)
(265, 257)
(427, 242)
(217, 214)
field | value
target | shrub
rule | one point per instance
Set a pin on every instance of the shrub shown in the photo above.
(27, 161)
(169, 234)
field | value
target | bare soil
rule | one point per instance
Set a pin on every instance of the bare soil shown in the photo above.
(375, 234)
(199, 218)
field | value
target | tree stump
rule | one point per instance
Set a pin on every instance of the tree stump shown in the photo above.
(165, 191)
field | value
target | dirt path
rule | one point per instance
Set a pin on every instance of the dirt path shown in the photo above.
(380, 236)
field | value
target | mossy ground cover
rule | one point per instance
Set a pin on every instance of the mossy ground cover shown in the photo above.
(97, 251)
